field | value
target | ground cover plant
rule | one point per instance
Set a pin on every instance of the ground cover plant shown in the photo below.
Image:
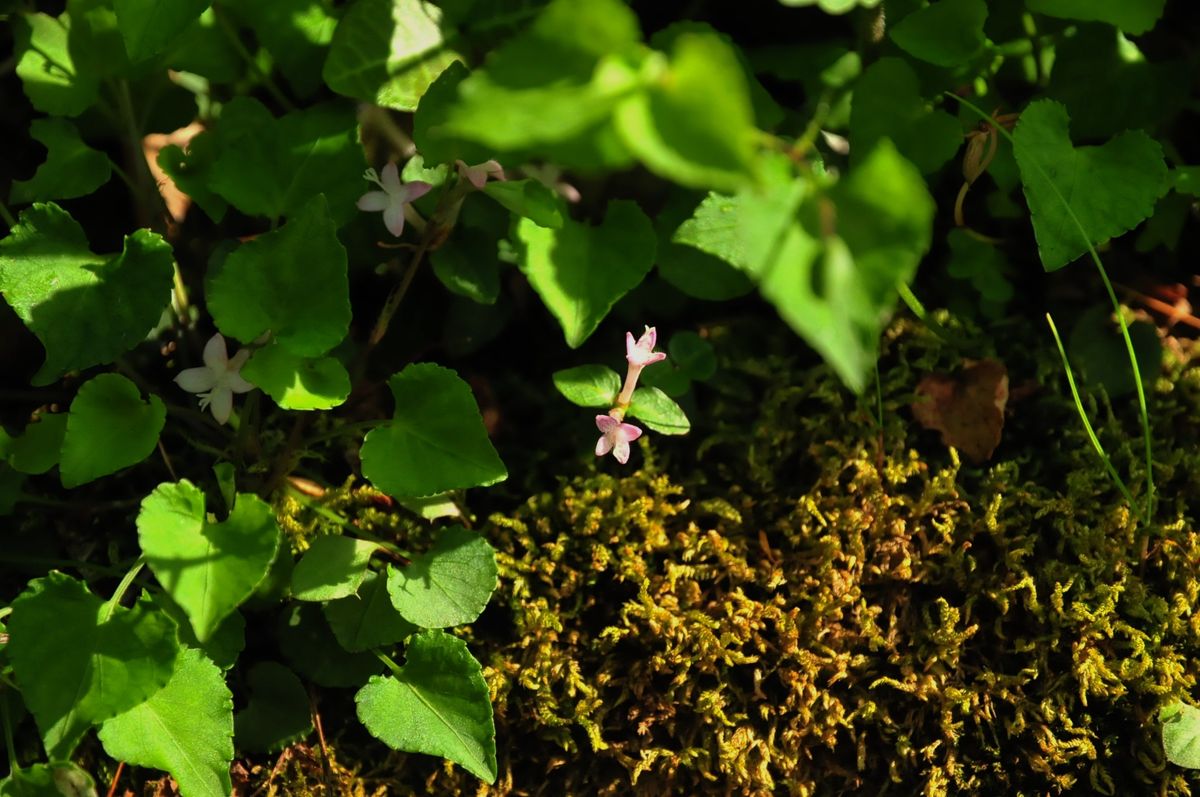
(592, 396)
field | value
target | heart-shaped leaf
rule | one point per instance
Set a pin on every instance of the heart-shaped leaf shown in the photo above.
(98, 661)
(208, 568)
(52, 81)
(367, 619)
(581, 271)
(148, 27)
(450, 585)
(37, 448)
(292, 282)
(109, 428)
(185, 728)
(311, 647)
(1181, 734)
(71, 169)
(278, 712)
(1131, 16)
(1081, 196)
(947, 33)
(528, 198)
(331, 568)
(588, 385)
(86, 309)
(436, 440)
(438, 703)
(298, 383)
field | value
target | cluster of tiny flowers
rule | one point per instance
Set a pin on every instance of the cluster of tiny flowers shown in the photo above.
(615, 434)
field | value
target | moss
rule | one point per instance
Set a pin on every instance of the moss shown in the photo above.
(826, 607)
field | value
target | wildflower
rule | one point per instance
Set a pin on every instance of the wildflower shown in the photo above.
(615, 437)
(218, 379)
(639, 354)
(392, 199)
(478, 174)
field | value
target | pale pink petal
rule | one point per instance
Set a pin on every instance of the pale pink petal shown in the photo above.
(415, 190)
(238, 360)
(237, 383)
(393, 218)
(390, 178)
(649, 338)
(654, 357)
(196, 380)
(603, 445)
(606, 423)
(630, 432)
(630, 346)
(373, 201)
(221, 403)
(215, 356)
(621, 450)
(494, 170)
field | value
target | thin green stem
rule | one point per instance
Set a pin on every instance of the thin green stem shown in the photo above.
(9, 747)
(1087, 424)
(7, 215)
(1148, 509)
(387, 660)
(110, 607)
(913, 302)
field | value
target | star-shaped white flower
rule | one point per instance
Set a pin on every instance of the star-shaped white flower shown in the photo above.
(218, 380)
(615, 437)
(392, 199)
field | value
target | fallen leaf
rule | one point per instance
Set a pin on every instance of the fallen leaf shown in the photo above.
(967, 408)
(176, 201)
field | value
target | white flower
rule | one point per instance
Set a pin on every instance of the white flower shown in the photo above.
(615, 437)
(392, 199)
(218, 380)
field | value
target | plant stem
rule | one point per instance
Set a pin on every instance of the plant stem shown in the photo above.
(397, 295)
(8, 734)
(7, 215)
(231, 34)
(387, 660)
(110, 607)
(1148, 509)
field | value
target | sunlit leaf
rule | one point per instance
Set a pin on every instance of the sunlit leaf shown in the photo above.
(71, 168)
(448, 585)
(109, 427)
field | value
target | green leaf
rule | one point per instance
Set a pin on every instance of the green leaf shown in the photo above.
(589, 385)
(310, 646)
(71, 168)
(693, 355)
(695, 123)
(467, 264)
(208, 568)
(292, 281)
(1083, 195)
(109, 428)
(581, 271)
(514, 102)
(185, 728)
(11, 483)
(715, 228)
(274, 167)
(278, 712)
(192, 171)
(835, 287)
(656, 409)
(37, 449)
(148, 26)
(1181, 734)
(332, 567)
(388, 52)
(694, 272)
(435, 441)
(62, 779)
(833, 6)
(101, 660)
(225, 644)
(1131, 16)
(437, 703)
(888, 104)
(984, 266)
(1186, 180)
(52, 81)
(528, 198)
(86, 309)
(367, 619)
(206, 51)
(450, 585)
(298, 383)
(296, 33)
(1097, 348)
(947, 33)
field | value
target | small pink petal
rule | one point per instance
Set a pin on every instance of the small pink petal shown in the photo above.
(221, 403)
(196, 380)
(215, 356)
(606, 423)
(415, 190)
(649, 337)
(390, 178)
(630, 345)
(621, 450)
(393, 218)
(630, 432)
(603, 445)
(494, 170)
(373, 201)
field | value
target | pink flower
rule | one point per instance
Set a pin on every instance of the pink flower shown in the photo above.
(641, 353)
(478, 174)
(392, 199)
(615, 437)
(218, 380)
